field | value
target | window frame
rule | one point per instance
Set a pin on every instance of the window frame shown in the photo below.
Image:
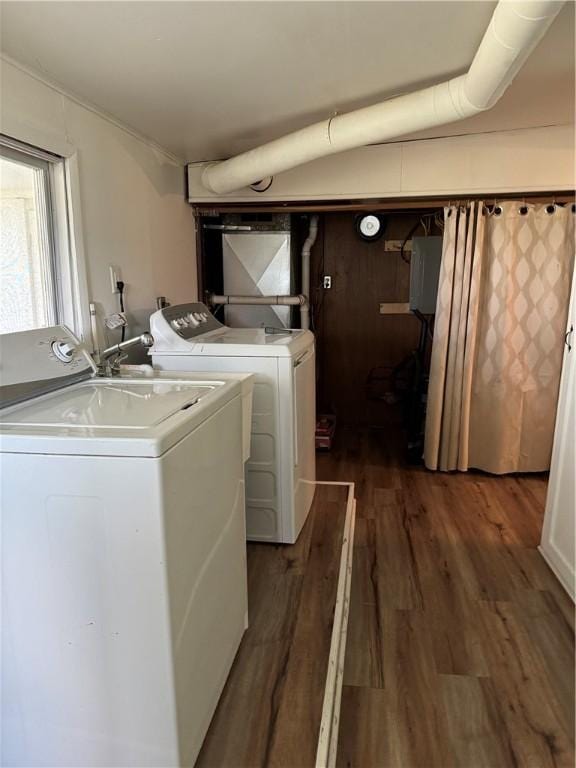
(63, 229)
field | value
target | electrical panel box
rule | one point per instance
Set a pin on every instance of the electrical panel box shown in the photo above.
(425, 273)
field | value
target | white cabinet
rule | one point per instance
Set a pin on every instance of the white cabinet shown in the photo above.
(557, 545)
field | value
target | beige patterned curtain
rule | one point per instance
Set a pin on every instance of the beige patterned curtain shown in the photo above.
(498, 341)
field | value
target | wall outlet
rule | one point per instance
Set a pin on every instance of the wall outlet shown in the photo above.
(327, 281)
(115, 277)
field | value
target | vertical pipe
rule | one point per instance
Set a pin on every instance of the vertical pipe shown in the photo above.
(306, 248)
(94, 330)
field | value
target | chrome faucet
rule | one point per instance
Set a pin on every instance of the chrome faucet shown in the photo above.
(110, 359)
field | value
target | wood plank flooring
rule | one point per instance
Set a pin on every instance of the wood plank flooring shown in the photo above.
(460, 646)
(270, 710)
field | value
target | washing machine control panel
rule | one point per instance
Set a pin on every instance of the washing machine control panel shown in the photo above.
(64, 350)
(188, 320)
(38, 361)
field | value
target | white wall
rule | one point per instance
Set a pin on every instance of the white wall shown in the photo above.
(132, 196)
(531, 159)
(557, 545)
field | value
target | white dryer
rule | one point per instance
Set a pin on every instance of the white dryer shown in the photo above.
(281, 471)
(124, 590)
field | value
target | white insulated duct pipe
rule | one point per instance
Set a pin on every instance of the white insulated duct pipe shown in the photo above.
(305, 266)
(285, 301)
(516, 27)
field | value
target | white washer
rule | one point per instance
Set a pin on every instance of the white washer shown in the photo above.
(281, 472)
(124, 594)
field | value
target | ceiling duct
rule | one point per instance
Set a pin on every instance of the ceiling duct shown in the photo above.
(516, 27)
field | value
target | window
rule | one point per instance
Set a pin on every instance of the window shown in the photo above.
(37, 280)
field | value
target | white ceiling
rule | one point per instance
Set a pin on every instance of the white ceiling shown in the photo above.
(209, 79)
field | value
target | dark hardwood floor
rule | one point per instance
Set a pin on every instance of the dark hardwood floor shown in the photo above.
(270, 710)
(460, 641)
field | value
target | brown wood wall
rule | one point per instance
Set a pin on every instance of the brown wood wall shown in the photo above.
(353, 338)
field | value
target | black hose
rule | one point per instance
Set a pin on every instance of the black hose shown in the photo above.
(120, 286)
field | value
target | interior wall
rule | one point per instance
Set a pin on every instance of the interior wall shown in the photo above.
(357, 346)
(525, 160)
(132, 195)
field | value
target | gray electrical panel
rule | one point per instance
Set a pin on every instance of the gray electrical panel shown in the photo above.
(424, 273)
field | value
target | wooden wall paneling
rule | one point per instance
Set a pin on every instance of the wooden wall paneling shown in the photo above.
(353, 337)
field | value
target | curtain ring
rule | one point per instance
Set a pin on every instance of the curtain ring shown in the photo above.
(496, 210)
(550, 209)
(573, 207)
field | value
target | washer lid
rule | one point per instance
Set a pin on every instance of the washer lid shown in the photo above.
(239, 342)
(254, 337)
(178, 331)
(122, 417)
(123, 405)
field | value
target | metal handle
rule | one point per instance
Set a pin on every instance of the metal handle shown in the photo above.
(110, 359)
(145, 339)
(568, 338)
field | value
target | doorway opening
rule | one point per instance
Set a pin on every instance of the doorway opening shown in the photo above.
(373, 343)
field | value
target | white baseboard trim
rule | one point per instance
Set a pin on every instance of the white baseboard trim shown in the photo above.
(328, 734)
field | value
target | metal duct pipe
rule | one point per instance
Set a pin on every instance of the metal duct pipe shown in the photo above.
(306, 248)
(286, 301)
(516, 27)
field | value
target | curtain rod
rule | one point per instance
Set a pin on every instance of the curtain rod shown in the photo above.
(377, 204)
